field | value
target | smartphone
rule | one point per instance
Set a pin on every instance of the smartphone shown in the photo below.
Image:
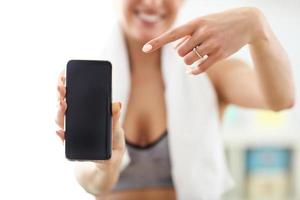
(89, 111)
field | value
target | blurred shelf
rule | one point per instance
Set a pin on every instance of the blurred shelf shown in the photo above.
(240, 144)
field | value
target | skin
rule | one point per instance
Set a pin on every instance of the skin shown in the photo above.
(270, 84)
(146, 111)
(267, 85)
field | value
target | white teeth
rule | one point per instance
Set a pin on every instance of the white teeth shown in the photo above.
(150, 18)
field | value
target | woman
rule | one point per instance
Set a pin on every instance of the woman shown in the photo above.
(171, 120)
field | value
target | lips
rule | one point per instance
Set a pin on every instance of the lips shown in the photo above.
(149, 17)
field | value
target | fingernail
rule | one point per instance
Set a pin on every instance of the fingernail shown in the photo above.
(197, 70)
(58, 134)
(147, 48)
(189, 70)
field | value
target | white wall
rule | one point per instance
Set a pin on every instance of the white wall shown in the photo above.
(36, 40)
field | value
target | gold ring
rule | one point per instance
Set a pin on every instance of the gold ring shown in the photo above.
(195, 50)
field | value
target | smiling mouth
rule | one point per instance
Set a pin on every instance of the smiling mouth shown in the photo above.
(149, 17)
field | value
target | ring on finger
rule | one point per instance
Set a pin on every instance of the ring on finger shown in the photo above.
(196, 51)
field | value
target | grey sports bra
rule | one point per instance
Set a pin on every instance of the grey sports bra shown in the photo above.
(149, 167)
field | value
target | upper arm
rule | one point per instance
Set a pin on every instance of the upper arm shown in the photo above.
(236, 83)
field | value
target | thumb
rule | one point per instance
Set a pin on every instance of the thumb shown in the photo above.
(116, 109)
(118, 139)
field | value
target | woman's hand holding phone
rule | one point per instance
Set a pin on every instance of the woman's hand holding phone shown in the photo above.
(104, 168)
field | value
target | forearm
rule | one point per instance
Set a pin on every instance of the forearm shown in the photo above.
(272, 67)
(93, 180)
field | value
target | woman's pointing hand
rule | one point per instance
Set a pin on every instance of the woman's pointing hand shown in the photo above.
(211, 38)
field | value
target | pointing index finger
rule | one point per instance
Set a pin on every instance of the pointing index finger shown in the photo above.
(167, 37)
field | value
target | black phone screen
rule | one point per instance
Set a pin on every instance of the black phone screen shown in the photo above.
(88, 114)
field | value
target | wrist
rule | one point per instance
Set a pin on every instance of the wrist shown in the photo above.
(110, 166)
(105, 178)
(258, 27)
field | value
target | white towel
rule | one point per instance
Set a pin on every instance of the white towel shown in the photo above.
(199, 170)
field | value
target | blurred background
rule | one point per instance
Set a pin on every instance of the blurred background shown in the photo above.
(36, 40)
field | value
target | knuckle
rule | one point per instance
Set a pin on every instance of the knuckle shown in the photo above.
(203, 49)
(117, 125)
(181, 52)
(187, 60)
(123, 149)
(200, 20)
(219, 45)
(209, 31)
(222, 52)
(215, 45)
(156, 42)
(192, 24)
(219, 54)
(219, 38)
(172, 34)
(119, 131)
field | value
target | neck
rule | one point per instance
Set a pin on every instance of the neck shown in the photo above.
(137, 58)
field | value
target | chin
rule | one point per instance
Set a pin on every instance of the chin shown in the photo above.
(145, 36)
